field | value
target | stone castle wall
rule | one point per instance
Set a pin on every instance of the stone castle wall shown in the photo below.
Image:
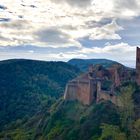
(71, 91)
(80, 90)
(105, 95)
(87, 92)
(87, 87)
(115, 76)
(83, 94)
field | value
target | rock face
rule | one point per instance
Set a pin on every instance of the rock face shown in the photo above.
(99, 83)
(138, 66)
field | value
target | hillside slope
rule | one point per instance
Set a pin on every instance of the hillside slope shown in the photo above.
(26, 86)
(74, 121)
(32, 106)
(65, 121)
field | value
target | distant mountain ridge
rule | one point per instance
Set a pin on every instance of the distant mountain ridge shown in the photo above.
(83, 64)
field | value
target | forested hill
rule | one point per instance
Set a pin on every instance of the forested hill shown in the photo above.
(83, 64)
(31, 107)
(74, 121)
(28, 85)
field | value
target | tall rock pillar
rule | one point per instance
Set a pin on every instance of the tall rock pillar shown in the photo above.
(138, 66)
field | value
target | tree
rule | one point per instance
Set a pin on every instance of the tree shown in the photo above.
(112, 132)
(135, 133)
(126, 107)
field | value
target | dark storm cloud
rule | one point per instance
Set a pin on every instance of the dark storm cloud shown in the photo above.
(93, 24)
(20, 16)
(4, 19)
(3, 7)
(16, 24)
(52, 36)
(32, 6)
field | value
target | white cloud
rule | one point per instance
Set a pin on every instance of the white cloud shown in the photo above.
(31, 51)
(107, 31)
(29, 16)
(121, 52)
(61, 23)
(110, 49)
(40, 56)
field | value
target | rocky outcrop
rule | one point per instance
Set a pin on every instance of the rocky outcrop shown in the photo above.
(99, 83)
(138, 66)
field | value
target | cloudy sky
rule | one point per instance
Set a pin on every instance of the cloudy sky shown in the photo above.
(65, 29)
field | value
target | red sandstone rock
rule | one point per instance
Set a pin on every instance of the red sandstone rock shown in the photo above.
(138, 66)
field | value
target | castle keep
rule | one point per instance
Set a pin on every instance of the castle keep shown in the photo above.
(99, 83)
(138, 66)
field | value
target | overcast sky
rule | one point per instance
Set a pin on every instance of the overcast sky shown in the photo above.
(65, 29)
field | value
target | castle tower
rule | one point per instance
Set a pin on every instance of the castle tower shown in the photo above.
(98, 91)
(138, 66)
(90, 71)
(117, 78)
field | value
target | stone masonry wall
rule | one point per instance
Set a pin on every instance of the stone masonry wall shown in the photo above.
(71, 91)
(83, 94)
(105, 95)
(81, 91)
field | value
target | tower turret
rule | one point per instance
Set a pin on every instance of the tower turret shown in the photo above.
(138, 66)
(90, 71)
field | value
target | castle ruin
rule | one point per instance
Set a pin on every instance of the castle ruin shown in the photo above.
(138, 66)
(99, 83)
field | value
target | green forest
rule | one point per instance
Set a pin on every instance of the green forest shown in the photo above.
(32, 106)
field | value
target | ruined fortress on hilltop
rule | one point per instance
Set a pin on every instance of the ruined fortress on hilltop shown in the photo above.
(99, 83)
